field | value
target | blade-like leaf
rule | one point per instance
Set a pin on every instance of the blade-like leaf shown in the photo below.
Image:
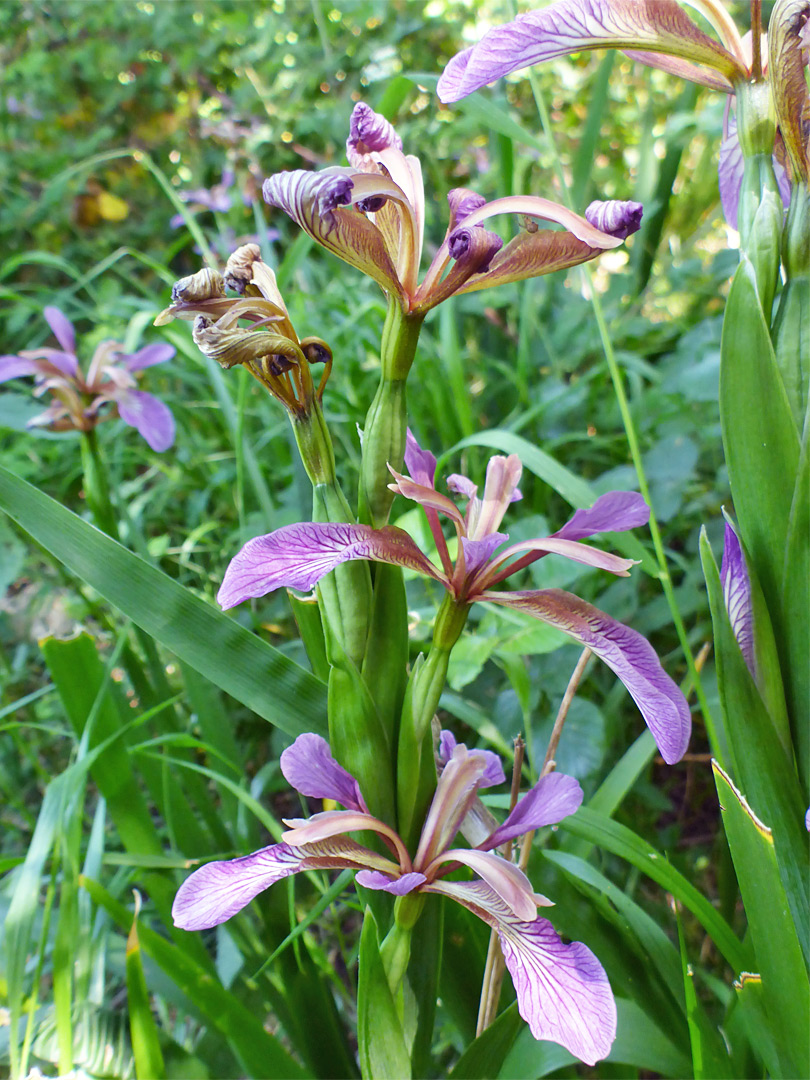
(142, 1026)
(383, 1053)
(237, 661)
(786, 991)
(484, 1056)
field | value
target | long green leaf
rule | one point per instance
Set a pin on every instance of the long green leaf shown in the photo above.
(484, 1056)
(383, 1054)
(622, 841)
(237, 661)
(786, 991)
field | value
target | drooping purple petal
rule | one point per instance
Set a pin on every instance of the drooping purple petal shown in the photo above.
(504, 878)
(562, 990)
(462, 203)
(421, 464)
(298, 556)
(62, 328)
(218, 890)
(152, 419)
(62, 363)
(374, 879)
(574, 26)
(493, 772)
(615, 511)
(369, 132)
(616, 217)
(309, 767)
(148, 356)
(12, 367)
(625, 651)
(552, 798)
(737, 595)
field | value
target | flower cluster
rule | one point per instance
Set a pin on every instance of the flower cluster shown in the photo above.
(562, 990)
(79, 397)
(372, 215)
(298, 556)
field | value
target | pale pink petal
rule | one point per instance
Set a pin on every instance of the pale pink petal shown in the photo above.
(298, 556)
(456, 789)
(503, 477)
(335, 823)
(506, 879)
(562, 990)
(462, 485)
(625, 651)
(427, 496)
(373, 879)
(62, 329)
(549, 545)
(309, 767)
(152, 419)
(552, 798)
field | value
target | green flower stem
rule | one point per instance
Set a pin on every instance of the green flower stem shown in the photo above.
(395, 951)
(345, 594)
(97, 487)
(416, 773)
(386, 422)
(629, 429)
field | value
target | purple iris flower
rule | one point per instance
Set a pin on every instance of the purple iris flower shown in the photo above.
(298, 556)
(372, 215)
(216, 198)
(659, 34)
(79, 397)
(562, 990)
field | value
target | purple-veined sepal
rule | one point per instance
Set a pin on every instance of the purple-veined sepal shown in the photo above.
(308, 766)
(736, 585)
(554, 797)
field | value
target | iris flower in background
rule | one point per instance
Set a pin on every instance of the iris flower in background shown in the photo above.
(655, 32)
(562, 990)
(79, 398)
(216, 198)
(298, 556)
(372, 216)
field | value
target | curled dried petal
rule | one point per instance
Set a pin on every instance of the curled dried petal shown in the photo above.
(206, 284)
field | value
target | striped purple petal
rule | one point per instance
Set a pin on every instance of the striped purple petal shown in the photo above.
(13, 367)
(309, 767)
(553, 797)
(737, 595)
(148, 356)
(615, 217)
(615, 511)
(62, 328)
(150, 417)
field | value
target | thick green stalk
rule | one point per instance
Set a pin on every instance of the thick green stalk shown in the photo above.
(629, 429)
(416, 773)
(345, 594)
(96, 486)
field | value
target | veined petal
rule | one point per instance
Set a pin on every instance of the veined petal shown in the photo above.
(554, 797)
(12, 367)
(477, 553)
(493, 772)
(788, 38)
(506, 879)
(149, 416)
(616, 511)
(562, 990)
(616, 217)
(330, 823)
(534, 254)
(374, 879)
(497, 570)
(683, 69)
(737, 595)
(625, 651)
(62, 329)
(148, 356)
(309, 767)
(218, 890)
(569, 26)
(462, 485)
(535, 207)
(298, 556)
(421, 464)
(317, 202)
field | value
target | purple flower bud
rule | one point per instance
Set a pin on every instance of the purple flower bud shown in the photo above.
(462, 203)
(615, 217)
(369, 132)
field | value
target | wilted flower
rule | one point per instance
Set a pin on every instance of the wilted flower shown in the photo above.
(562, 990)
(658, 34)
(372, 216)
(269, 348)
(298, 556)
(79, 398)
